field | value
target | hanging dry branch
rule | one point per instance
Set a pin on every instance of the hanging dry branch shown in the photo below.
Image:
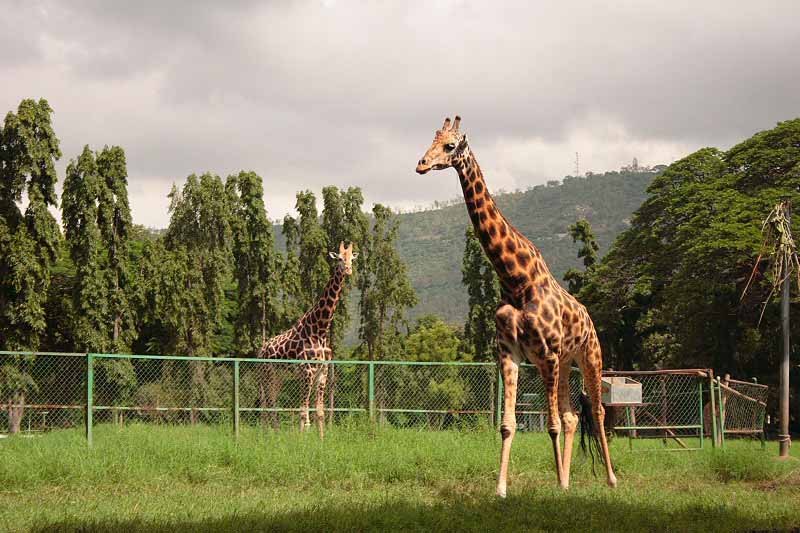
(780, 246)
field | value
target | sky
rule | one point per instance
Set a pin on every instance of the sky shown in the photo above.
(316, 93)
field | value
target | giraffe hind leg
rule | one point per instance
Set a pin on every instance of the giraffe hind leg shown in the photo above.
(569, 420)
(592, 373)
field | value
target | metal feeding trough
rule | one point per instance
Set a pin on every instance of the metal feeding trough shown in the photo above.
(621, 390)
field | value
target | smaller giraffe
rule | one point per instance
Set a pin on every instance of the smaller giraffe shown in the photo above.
(308, 340)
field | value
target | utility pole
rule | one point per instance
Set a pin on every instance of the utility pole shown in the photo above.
(577, 166)
(784, 437)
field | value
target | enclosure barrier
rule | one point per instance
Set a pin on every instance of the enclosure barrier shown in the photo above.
(43, 391)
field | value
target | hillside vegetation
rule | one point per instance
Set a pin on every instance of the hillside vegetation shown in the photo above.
(432, 242)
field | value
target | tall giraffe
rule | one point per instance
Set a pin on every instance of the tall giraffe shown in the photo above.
(536, 320)
(308, 340)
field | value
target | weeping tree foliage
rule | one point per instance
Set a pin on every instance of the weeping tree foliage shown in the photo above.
(28, 242)
(255, 264)
(479, 278)
(96, 221)
(291, 287)
(313, 251)
(197, 247)
(115, 224)
(386, 292)
(582, 231)
(343, 221)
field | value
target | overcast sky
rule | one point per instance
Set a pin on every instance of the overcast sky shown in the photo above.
(349, 93)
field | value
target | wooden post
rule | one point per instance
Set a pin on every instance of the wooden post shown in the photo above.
(784, 437)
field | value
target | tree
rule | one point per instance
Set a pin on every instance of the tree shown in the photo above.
(385, 290)
(197, 246)
(90, 289)
(343, 221)
(479, 276)
(28, 242)
(582, 231)
(188, 272)
(254, 264)
(291, 287)
(115, 223)
(669, 292)
(313, 249)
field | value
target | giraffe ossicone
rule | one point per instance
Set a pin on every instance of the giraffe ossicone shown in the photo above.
(308, 340)
(537, 319)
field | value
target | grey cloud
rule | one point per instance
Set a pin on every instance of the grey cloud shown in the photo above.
(311, 93)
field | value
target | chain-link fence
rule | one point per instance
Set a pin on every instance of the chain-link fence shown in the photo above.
(744, 407)
(45, 391)
(672, 407)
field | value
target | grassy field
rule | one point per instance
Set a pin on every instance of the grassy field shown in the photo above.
(196, 478)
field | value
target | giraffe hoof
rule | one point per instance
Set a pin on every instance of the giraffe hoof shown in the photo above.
(612, 481)
(501, 493)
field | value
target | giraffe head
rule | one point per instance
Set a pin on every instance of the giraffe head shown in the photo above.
(448, 143)
(346, 256)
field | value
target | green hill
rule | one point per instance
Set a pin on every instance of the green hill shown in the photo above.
(432, 242)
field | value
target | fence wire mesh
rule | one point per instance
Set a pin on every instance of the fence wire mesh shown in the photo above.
(40, 392)
(672, 406)
(744, 405)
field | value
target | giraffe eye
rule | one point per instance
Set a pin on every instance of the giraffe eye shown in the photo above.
(449, 147)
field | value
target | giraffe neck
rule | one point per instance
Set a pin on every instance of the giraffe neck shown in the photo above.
(516, 260)
(317, 321)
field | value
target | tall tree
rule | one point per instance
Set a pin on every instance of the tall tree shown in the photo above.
(292, 295)
(254, 264)
(198, 243)
(386, 292)
(28, 241)
(90, 288)
(313, 253)
(479, 276)
(582, 231)
(115, 223)
(343, 220)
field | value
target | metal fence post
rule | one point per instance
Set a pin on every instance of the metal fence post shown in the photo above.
(499, 410)
(89, 397)
(700, 402)
(371, 390)
(714, 436)
(721, 414)
(236, 399)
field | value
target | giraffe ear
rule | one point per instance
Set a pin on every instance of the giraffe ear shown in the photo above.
(462, 144)
(355, 254)
(333, 255)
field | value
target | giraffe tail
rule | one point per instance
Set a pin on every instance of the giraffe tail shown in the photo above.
(590, 432)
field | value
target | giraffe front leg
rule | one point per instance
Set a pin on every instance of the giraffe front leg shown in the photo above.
(509, 367)
(305, 420)
(322, 381)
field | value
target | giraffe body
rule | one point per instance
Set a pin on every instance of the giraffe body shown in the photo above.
(306, 340)
(537, 319)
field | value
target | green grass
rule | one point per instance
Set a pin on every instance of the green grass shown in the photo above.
(197, 478)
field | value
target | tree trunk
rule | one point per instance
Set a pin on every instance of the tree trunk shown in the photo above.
(16, 409)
